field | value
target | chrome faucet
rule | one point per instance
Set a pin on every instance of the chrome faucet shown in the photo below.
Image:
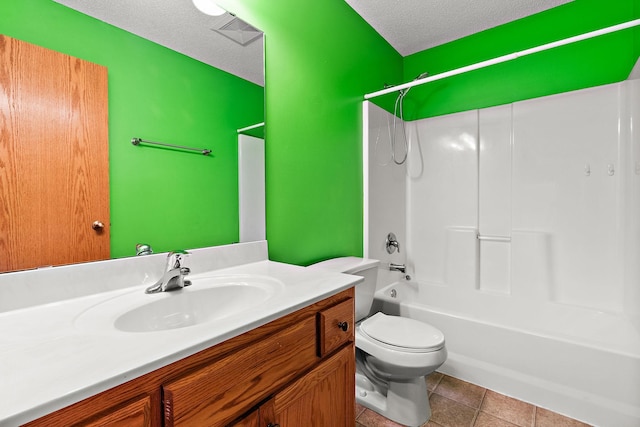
(398, 267)
(173, 277)
(143, 249)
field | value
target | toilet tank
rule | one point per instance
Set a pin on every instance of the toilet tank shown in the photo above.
(366, 268)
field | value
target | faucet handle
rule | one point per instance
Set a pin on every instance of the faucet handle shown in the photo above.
(174, 258)
(143, 249)
(179, 252)
(392, 243)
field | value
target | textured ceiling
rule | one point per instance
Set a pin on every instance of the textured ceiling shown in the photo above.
(178, 25)
(408, 25)
(411, 26)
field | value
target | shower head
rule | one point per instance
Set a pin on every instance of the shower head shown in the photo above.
(418, 77)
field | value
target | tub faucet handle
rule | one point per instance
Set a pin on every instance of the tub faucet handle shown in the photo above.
(392, 243)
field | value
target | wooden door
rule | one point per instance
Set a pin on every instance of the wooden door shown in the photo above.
(325, 397)
(54, 169)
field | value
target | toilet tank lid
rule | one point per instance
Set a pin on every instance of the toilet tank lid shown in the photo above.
(349, 264)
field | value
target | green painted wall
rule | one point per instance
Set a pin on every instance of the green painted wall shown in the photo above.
(321, 57)
(167, 198)
(320, 61)
(602, 60)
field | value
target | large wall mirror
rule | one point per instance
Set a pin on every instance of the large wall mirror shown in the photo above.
(176, 76)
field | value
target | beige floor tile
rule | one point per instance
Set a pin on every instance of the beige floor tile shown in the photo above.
(359, 409)
(485, 420)
(433, 379)
(546, 418)
(508, 409)
(454, 403)
(369, 418)
(449, 413)
(460, 391)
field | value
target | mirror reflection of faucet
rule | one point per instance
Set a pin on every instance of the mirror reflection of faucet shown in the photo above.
(143, 249)
(392, 243)
(173, 277)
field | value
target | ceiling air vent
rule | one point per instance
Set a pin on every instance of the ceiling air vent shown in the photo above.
(238, 31)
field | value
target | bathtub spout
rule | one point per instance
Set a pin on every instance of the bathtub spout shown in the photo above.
(398, 267)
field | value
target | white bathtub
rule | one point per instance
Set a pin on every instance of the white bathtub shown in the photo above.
(575, 361)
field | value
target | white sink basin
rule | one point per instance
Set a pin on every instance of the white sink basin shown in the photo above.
(207, 299)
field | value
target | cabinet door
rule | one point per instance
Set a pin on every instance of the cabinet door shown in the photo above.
(251, 420)
(323, 397)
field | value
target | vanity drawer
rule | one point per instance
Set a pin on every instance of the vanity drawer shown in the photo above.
(137, 413)
(335, 326)
(222, 391)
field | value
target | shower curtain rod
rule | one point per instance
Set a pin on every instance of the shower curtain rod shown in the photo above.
(505, 58)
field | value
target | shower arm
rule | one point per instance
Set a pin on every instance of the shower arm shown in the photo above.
(505, 58)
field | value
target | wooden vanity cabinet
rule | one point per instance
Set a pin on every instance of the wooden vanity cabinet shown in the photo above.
(211, 395)
(136, 413)
(321, 398)
(335, 327)
(298, 370)
(250, 420)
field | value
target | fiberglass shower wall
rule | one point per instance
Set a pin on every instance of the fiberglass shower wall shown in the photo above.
(630, 159)
(385, 188)
(537, 200)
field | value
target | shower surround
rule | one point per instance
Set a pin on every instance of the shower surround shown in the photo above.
(520, 228)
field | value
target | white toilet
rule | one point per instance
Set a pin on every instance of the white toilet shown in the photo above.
(393, 354)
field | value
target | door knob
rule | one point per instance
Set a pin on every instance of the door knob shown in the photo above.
(97, 225)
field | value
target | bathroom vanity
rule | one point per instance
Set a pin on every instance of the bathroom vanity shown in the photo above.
(291, 371)
(288, 361)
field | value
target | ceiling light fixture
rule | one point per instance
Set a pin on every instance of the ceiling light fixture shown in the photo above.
(209, 7)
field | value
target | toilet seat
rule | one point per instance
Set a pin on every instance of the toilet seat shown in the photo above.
(402, 334)
(377, 337)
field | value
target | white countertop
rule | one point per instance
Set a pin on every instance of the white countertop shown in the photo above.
(48, 361)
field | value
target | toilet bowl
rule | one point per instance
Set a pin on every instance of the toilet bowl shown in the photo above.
(393, 353)
(398, 348)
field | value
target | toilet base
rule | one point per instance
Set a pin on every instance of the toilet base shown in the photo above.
(403, 402)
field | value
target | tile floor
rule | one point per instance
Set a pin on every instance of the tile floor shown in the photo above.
(456, 403)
